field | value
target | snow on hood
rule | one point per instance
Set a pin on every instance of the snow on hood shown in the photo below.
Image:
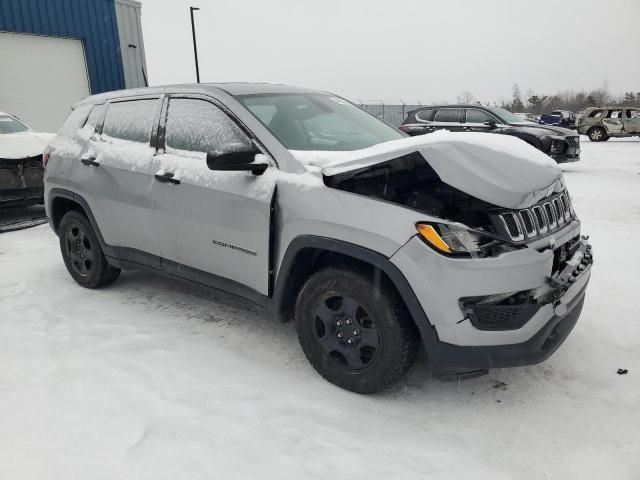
(498, 169)
(23, 145)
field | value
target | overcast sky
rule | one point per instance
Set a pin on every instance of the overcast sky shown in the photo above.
(410, 49)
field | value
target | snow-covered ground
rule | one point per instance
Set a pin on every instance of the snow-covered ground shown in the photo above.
(150, 378)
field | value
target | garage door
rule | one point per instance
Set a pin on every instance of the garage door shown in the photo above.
(41, 77)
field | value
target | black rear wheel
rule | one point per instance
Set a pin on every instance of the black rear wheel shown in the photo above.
(82, 253)
(355, 331)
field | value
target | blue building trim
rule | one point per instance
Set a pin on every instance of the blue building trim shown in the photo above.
(92, 21)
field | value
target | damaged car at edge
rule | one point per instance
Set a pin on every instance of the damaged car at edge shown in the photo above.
(373, 243)
(21, 171)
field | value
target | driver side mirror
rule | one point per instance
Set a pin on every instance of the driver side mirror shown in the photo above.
(490, 123)
(240, 161)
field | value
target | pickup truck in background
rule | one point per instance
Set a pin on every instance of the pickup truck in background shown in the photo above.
(559, 118)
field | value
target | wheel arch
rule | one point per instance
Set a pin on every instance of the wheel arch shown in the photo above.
(308, 254)
(60, 201)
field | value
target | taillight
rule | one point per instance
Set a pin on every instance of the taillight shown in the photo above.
(45, 158)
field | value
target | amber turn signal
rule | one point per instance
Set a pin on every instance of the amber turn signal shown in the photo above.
(430, 234)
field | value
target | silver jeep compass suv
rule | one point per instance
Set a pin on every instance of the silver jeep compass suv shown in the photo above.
(374, 243)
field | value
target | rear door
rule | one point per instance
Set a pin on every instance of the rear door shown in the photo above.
(632, 120)
(113, 174)
(211, 222)
(613, 121)
(448, 119)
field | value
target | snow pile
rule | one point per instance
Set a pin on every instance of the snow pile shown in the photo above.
(155, 379)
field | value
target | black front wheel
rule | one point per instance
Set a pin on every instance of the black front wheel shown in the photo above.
(82, 253)
(355, 330)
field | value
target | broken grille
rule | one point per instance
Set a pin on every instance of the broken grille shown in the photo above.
(539, 219)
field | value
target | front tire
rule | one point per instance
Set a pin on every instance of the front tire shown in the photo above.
(598, 134)
(82, 253)
(354, 330)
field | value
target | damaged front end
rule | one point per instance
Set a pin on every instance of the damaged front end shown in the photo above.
(21, 181)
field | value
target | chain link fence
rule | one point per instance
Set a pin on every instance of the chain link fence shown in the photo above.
(393, 113)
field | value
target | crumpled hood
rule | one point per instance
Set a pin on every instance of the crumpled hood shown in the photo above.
(499, 169)
(23, 145)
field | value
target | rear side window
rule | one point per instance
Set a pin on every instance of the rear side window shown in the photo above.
(424, 115)
(95, 115)
(451, 115)
(75, 121)
(478, 116)
(131, 120)
(199, 126)
(614, 114)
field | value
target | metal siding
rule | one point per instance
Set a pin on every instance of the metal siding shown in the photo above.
(128, 13)
(93, 21)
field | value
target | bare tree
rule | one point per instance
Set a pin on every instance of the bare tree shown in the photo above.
(466, 98)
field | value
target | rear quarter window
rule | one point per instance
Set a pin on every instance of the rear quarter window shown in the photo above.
(424, 115)
(75, 121)
(130, 120)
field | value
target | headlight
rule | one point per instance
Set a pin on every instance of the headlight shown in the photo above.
(557, 146)
(456, 240)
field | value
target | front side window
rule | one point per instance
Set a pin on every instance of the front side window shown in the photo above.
(10, 124)
(316, 121)
(449, 115)
(596, 114)
(200, 126)
(130, 120)
(478, 116)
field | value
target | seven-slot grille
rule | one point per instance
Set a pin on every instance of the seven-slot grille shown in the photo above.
(544, 217)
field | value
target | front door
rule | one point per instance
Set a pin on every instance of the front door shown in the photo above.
(214, 223)
(632, 121)
(613, 121)
(475, 121)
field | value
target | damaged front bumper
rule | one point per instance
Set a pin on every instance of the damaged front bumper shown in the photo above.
(530, 330)
(21, 181)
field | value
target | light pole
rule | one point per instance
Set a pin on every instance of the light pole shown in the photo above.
(195, 46)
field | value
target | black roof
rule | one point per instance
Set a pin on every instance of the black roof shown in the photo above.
(231, 88)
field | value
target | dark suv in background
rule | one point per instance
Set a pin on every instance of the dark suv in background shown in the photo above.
(561, 144)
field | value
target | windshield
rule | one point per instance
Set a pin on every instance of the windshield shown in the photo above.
(11, 125)
(315, 121)
(505, 115)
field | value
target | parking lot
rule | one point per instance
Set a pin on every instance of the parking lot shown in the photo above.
(150, 378)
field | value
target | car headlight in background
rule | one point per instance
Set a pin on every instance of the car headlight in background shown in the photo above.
(457, 240)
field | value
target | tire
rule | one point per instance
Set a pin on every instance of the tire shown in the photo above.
(82, 253)
(598, 134)
(337, 306)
